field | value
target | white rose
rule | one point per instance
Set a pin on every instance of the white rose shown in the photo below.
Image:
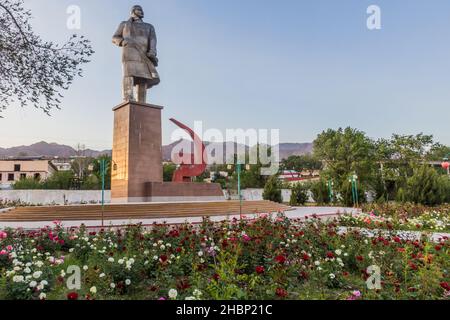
(42, 296)
(128, 282)
(173, 294)
(33, 284)
(93, 290)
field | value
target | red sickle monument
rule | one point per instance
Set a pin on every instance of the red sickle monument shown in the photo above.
(187, 171)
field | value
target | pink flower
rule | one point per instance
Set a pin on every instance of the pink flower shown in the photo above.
(9, 248)
(246, 238)
(3, 235)
(355, 295)
(3, 253)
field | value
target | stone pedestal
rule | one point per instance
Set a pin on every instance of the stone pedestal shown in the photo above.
(183, 191)
(137, 151)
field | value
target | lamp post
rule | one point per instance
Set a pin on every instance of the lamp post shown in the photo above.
(103, 173)
(239, 169)
(238, 172)
(330, 189)
(354, 181)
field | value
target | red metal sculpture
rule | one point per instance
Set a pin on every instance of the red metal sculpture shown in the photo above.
(187, 171)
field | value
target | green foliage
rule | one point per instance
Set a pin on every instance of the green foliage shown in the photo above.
(300, 163)
(61, 180)
(168, 170)
(95, 182)
(272, 190)
(91, 183)
(299, 195)
(57, 181)
(320, 193)
(346, 152)
(345, 193)
(27, 184)
(427, 187)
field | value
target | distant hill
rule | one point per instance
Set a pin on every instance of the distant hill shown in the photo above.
(49, 150)
(63, 151)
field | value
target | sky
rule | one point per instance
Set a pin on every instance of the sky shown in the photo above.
(300, 66)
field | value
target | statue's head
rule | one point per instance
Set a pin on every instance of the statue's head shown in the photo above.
(137, 12)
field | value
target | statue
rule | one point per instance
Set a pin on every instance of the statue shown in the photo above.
(139, 56)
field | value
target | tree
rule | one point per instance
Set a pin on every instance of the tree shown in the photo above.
(33, 70)
(272, 190)
(299, 195)
(397, 157)
(319, 191)
(61, 180)
(427, 187)
(299, 163)
(94, 181)
(346, 152)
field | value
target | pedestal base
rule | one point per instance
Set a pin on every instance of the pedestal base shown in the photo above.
(137, 150)
(183, 191)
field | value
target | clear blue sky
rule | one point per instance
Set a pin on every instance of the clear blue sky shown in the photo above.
(300, 66)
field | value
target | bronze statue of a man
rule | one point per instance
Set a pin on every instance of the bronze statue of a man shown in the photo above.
(139, 56)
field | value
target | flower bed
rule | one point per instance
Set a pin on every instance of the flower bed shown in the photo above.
(261, 259)
(429, 219)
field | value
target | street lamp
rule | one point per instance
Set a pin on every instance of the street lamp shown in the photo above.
(238, 172)
(330, 189)
(354, 181)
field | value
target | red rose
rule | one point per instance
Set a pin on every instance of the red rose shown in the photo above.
(438, 248)
(330, 255)
(72, 296)
(280, 259)
(163, 258)
(359, 258)
(259, 269)
(445, 286)
(305, 257)
(281, 293)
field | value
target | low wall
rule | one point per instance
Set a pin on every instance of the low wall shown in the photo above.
(257, 194)
(59, 197)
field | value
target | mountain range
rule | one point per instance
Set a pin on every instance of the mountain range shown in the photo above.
(46, 149)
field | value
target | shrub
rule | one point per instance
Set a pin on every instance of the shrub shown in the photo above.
(319, 190)
(427, 187)
(299, 195)
(27, 184)
(272, 190)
